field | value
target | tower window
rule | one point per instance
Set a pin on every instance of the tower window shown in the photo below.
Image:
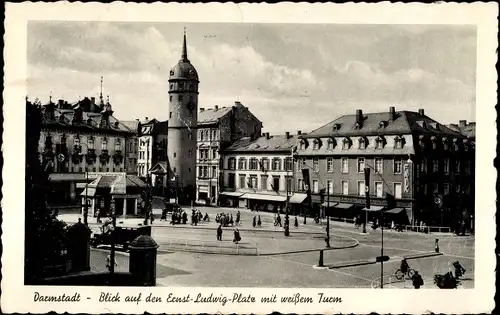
(170, 98)
(171, 86)
(170, 112)
(181, 98)
(189, 169)
(175, 154)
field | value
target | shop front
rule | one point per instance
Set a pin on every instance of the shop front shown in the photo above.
(229, 199)
(266, 203)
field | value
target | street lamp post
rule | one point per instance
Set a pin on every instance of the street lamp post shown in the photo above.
(287, 220)
(327, 240)
(113, 236)
(86, 206)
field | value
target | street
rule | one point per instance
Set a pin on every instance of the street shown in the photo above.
(191, 255)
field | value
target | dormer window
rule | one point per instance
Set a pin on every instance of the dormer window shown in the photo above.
(421, 123)
(362, 143)
(346, 144)
(302, 144)
(336, 127)
(398, 142)
(382, 124)
(379, 142)
(316, 144)
(331, 144)
(357, 126)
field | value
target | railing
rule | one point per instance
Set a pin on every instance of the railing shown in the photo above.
(213, 247)
(427, 229)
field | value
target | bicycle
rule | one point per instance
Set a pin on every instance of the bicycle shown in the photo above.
(400, 275)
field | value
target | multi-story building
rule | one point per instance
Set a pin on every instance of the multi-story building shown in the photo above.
(152, 145)
(78, 139)
(468, 129)
(218, 128)
(131, 147)
(424, 165)
(257, 172)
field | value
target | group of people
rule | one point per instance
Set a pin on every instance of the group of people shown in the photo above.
(237, 236)
(418, 281)
(227, 219)
(178, 217)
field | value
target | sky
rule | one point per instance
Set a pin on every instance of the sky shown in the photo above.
(291, 76)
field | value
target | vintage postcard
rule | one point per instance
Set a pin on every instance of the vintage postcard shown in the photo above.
(249, 158)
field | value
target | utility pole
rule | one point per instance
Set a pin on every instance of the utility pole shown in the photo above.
(287, 220)
(113, 236)
(327, 240)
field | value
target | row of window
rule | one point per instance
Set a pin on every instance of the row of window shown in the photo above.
(182, 86)
(331, 143)
(90, 143)
(207, 134)
(205, 154)
(264, 164)
(266, 182)
(203, 172)
(180, 97)
(378, 165)
(76, 169)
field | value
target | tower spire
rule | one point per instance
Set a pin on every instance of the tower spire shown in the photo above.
(184, 48)
(100, 95)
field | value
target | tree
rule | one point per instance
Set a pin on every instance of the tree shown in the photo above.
(45, 235)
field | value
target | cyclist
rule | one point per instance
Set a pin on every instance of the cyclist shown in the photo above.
(404, 266)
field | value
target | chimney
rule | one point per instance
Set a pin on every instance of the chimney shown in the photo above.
(202, 109)
(92, 100)
(137, 119)
(237, 103)
(421, 112)
(299, 132)
(60, 104)
(462, 123)
(267, 136)
(392, 112)
(146, 118)
(216, 107)
(287, 135)
(359, 116)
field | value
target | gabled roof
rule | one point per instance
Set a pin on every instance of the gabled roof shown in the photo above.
(468, 130)
(262, 144)
(212, 115)
(160, 167)
(406, 122)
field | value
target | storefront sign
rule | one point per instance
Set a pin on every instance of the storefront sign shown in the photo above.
(406, 180)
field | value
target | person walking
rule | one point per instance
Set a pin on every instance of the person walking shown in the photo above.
(278, 220)
(219, 233)
(254, 223)
(296, 223)
(98, 214)
(238, 218)
(259, 222)
(417, 280)
(237, 237)
(231, 221)
(108, 262)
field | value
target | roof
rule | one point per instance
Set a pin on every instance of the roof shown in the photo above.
(467, 129)
(262, 144)
(133, 125)
(212, 115)
(160, 167)
(118, 184)
(160, 127)
(406, 122)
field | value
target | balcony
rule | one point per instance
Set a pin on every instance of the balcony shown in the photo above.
(118, 157)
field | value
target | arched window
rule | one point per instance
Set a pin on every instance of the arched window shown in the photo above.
(346, 144)
(398, 142)
(316, 144)
(362, 142)
(379, 142)
(331, 144)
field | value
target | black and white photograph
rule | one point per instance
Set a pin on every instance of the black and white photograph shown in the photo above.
(281, 156)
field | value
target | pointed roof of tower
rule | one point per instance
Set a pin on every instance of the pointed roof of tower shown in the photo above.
(184, 55)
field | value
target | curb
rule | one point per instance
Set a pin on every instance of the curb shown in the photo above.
(353, 264)
(423, 255)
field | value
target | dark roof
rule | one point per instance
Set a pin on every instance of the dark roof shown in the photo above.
(160, 127)
(468, 130)
(406, 122)
(262, 144)
(212, 115)
(131, 124)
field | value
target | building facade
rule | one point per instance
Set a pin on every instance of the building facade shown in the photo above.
(77, 139)
(258, 173)
(182, 126)
(152, 145)
(218, 128)
(425, 166)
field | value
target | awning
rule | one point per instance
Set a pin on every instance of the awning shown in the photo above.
(264, 197)
(329, 204)
(63, 177)
(395, 210)
(231, 193)
(374, 208)
(298, 198)
(119, 185)
(341, 205)
(89, 193)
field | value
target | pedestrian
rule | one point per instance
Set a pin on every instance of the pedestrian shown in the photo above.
(98, 214)
(417, 280)
(296, 223)
(238, 218)
(231, 220)
(184, 217)
(392, 225)
(219, 233)
(237, 237)
(254, 221)
(278, 220)
(108, 262)
(259, 222)
(151, 217)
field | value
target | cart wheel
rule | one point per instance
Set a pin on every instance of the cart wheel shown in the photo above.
(399, 274)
